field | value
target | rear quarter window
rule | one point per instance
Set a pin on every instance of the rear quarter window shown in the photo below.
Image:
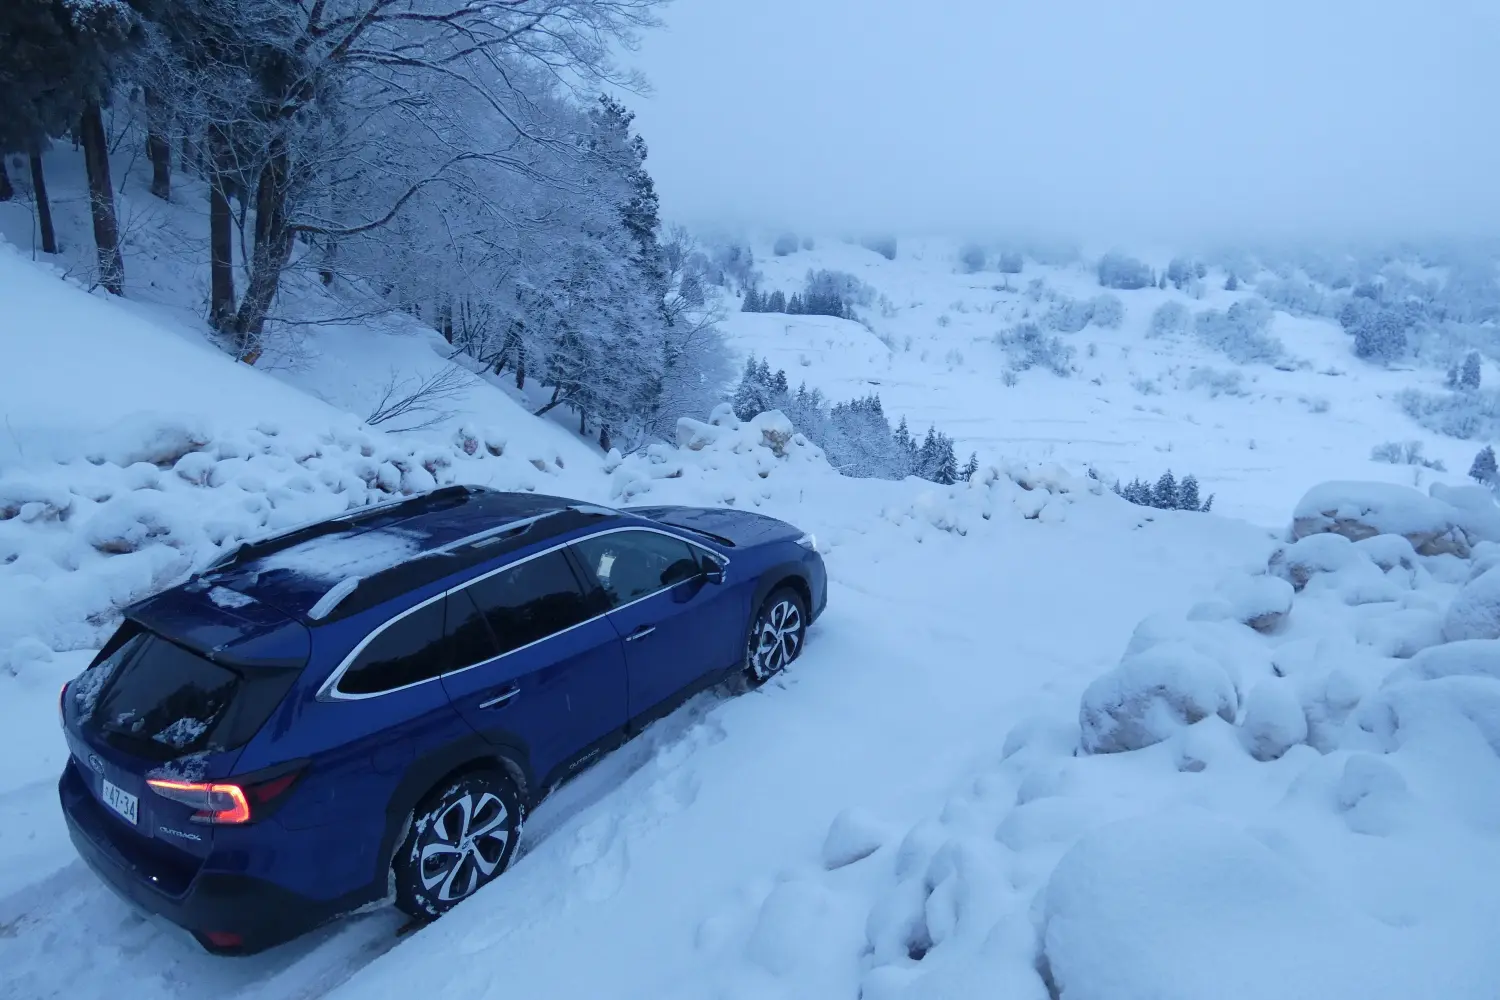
(407, 651)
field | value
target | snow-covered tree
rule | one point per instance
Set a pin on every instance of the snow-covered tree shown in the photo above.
(1164, 495)
(972, 257)
(1468, 376)
(1484, 469)
(971, 467)
(785, 245)
(1187, 494)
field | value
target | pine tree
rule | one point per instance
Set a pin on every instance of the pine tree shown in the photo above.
(1469, 376)
(779, 387)
(1208, 504)
(1164, 496)
(946, 472)
(1450, 380)
(746, 399)
(794, 306)
(971, 467)
(1187, 494)
(1232, 284)
(1484, 468)
(752, 302)
(777, 302)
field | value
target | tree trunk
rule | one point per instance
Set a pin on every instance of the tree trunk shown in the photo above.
(220, 237)
(158, 148)
(445, 320)
(102, 198)
(604, 441)
(43, 204)
(583, 422)
(7, 190)
(272, 251)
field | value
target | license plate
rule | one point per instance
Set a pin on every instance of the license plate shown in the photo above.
(119, 800)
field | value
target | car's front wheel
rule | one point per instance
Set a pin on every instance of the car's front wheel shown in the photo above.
(776, 635)
(461, 836)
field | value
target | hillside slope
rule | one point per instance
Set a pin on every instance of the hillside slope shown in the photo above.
(1135, 404)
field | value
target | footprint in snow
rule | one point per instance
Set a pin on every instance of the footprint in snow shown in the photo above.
(600, 859)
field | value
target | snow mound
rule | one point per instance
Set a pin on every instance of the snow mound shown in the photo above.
(1466, 658)
(1151, 695)
(1187, 905)
(1361, 510)
(854, 836)
(1274, 720)
(1261, 602)
(1475, 612)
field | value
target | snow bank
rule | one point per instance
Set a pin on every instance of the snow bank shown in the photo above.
(146, 503)
(1189, 905)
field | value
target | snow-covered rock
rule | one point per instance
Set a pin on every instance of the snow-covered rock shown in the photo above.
(1465, 658)
(1475, 612)
(1359, 510)
(1274, 720)
(1318, 553)
(1477, 512)
(1152, 695)
(1261, 602)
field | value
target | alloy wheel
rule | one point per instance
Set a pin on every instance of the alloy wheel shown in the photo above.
(464, 846)
(777, 638)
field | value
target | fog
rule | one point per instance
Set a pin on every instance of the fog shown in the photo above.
(1086, 119)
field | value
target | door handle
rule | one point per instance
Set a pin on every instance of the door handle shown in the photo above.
(640, 633)
(502, 699)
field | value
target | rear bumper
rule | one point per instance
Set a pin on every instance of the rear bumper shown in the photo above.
(261, 913)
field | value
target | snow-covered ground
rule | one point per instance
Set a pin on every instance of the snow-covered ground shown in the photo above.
(1043, 741)
(1254, 435)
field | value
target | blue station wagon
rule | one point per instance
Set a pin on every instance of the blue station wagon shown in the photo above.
(362, 710)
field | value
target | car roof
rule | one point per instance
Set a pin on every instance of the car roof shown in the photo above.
(333, 568)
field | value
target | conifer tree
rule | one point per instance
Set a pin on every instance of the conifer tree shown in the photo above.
(1164, 496)
(1187, 494)
(1468, 377)
(971, 467)
(1484, 468)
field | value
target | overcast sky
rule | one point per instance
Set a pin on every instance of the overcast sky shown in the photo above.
(1093, 119)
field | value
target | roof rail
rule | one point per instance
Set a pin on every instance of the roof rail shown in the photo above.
(282, 540)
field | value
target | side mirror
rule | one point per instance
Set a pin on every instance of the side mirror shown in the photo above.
(714, 574)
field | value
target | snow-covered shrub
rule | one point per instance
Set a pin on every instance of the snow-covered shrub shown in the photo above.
(1106, 311)
(1152, 695)
(1359, 510)
(1026, 346)
(1463, 415)
(1242, 333)
(1217, 382)
(1381, 335)
(1117, 270)
(1010, 262)
(1296, 296)
(1405, 453)
(785, 245)
(1171, 319)
(1068, 315)
(972, 257)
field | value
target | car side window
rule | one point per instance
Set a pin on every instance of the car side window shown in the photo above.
(530, 601)
(631, 564)
(407, 651)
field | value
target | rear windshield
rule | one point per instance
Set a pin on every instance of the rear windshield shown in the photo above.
(163, 701)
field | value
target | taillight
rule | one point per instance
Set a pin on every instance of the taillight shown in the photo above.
(215, 802)
(224, 802)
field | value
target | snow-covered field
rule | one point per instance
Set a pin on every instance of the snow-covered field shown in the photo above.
(1043, 742)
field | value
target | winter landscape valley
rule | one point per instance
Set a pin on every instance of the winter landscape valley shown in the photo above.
(1162, 649)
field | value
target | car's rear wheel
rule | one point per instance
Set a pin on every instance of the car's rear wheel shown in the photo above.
(776, 635)
(463, 835)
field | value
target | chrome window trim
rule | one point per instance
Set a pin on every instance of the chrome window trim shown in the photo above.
(328, 690)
